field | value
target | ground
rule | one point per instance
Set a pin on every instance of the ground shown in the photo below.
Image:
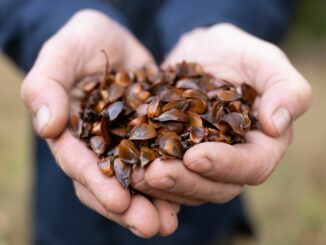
(288, 209)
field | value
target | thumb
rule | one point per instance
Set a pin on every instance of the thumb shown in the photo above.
(44, 91)
(286, 96)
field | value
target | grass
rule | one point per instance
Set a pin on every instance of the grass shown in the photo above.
(287, 209)
(15, 164)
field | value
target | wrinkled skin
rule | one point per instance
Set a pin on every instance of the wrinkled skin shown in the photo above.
(209, 172)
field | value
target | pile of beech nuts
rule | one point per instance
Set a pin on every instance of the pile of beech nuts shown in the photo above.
(129, 118)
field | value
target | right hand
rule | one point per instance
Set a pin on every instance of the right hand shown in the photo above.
(68, 56)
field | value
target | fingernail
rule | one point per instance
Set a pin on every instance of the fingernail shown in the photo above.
(281, 119)
(203, 165)
(42, 117)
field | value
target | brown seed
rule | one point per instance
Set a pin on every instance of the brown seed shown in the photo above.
(216, 112)
(119, 130)
(215, 135)
(97, 144)
(223, 127)
(86, 130)
(143, 131)
(170, 145)
(187, 84)
(154, 124)
(115, 92)
(128, 152)
(197, 105)
(105, 131)
(106, 166)
(157, 88)
(228, 95)
(194, 93)
(138, 120)
(104, 95)
(237, 122)
(122, 172)
(163, 130)
(173, 115)
(146, 156)
(197, 134)
(249, 94)
(76, 125)
(182, 105)
(194, 119)
(154, 108)
(173, 126)
(113, 110)
(135, 95)
(99, 106)
(171, 94)
(142, 110)
(235, 106)
(96, 128)
(122, 79)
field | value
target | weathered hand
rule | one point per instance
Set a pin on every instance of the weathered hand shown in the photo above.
(71, 54)
(217, 172)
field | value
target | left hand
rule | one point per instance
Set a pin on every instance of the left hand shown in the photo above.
(217, 172)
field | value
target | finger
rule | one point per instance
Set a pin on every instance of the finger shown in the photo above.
(286, 97)
(168, 217)
(80, 164)
(249, 163)
(285, 93)
(139, 183)
(44, 90)
(141, 217)
(172, 176)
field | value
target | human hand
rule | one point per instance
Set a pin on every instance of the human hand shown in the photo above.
(217, 172)
(71, 54)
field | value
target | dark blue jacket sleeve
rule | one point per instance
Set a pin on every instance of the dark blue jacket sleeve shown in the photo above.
(267, 19)
(26, 25)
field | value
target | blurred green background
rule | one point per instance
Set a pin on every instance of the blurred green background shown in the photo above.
(288, 209)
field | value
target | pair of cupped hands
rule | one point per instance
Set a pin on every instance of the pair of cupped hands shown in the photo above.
(209, 172)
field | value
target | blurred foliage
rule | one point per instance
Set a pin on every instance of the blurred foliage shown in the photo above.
(310, 18)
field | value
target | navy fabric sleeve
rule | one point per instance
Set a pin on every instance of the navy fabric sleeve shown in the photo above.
(26, 25)
(267, 19)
